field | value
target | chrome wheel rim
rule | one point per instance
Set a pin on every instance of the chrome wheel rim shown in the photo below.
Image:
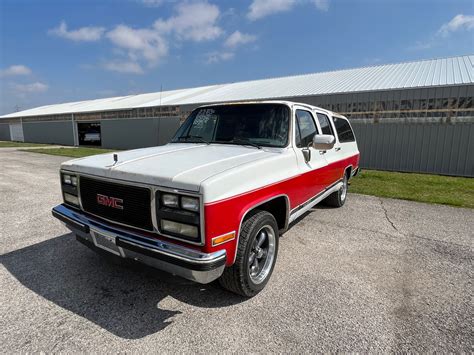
(344, 190)
(261, 255)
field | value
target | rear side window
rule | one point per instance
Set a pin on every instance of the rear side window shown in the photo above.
(344, 130)
(306, 128)
(325, 125)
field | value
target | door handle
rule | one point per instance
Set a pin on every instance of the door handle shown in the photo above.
(338, 149)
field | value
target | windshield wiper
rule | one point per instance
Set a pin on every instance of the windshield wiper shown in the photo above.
(198, 138)
(244, 142)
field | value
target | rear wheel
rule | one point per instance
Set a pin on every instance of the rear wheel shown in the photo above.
(256, 255)
(338, 198)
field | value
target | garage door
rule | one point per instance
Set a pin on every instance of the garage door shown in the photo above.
(16, 132)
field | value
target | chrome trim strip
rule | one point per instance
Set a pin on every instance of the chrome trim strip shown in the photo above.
(308, 201)
(255, 206)
(315, 200)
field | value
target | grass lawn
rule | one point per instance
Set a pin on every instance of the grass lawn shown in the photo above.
(446, 190)
(70, 152)
(9, 144)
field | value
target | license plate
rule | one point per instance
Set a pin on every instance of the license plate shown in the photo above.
(105, 242)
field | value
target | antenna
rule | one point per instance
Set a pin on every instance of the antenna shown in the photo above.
(17, 108)
(161, 92)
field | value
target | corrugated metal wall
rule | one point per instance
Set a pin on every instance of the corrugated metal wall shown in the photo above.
(4, 132)
(137, 133)
(437, 148)
(55, 132)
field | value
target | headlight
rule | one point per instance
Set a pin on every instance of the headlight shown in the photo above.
(67, 179)
(179, 228)
(73, 200)
(170, 200)
(70, 179)
(190, 203)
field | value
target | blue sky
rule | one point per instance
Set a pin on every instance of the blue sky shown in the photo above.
(59, 51)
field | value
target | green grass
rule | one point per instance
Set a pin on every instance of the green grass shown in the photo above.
(9, 144)
(70, 152)
(446, 190)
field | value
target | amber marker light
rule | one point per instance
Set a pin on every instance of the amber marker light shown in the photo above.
(223, 238)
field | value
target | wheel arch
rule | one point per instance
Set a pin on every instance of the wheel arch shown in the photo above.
(272, 205)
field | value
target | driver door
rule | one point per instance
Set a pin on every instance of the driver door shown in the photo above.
(311, 163)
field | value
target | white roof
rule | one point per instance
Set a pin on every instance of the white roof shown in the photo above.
(425, 73)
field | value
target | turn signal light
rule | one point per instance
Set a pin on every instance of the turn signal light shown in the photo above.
(223, 238)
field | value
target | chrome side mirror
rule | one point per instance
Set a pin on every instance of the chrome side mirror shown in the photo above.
(323, 142)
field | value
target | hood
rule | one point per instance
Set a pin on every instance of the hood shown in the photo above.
(179, 165)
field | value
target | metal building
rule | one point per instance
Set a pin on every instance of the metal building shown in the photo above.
(437, 92)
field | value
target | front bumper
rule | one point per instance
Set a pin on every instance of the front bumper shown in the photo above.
(175, 259)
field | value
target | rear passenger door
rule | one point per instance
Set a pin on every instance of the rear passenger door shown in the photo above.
(330, 155)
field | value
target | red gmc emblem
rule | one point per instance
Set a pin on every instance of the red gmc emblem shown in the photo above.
(113, 202)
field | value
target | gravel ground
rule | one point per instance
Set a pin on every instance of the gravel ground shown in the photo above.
(376, 275)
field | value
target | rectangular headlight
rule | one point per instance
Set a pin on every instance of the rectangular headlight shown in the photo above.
(190, 203)
(73, 200)
(179, 228)
(67, 179)
(170, 200)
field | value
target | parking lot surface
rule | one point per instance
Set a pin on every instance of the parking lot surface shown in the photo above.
(375, 275)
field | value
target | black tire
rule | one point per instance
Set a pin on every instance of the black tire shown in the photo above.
(338, 198)
(236, 278)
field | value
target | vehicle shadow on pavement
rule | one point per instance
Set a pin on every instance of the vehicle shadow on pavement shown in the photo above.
(121, 299)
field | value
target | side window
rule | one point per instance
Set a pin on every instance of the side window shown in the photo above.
(344, 130)
(306, 128)
(325, 125)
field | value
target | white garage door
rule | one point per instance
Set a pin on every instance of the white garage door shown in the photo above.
(16, 132)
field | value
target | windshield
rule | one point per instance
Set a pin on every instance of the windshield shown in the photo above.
(253, 124)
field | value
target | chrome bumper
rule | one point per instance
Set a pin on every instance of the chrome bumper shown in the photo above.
(175, 259)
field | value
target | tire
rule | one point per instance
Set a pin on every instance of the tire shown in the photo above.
(338, 198)
(247, 276)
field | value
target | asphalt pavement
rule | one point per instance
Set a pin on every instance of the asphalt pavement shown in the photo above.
(376, 275)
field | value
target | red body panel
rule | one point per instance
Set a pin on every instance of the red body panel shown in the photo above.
(224, 216)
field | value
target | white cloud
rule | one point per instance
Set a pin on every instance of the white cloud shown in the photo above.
(152, 3)
(14, 70)
(238, 38)
(322, 5)
(36, 87)
(124, 67)
(215, 57)
(262, 8)
(140, 43)
(457, 23)
(193, 21)
(84, 34)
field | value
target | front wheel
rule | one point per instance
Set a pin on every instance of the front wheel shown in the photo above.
(256, 256)
(338, 198)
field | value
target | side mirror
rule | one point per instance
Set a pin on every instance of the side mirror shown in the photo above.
(323, 142)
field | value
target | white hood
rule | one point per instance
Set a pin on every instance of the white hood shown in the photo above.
(181, 166)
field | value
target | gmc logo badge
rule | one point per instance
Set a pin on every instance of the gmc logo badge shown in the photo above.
(113, 202)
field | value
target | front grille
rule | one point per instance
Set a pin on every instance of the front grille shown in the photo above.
(136, 202)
